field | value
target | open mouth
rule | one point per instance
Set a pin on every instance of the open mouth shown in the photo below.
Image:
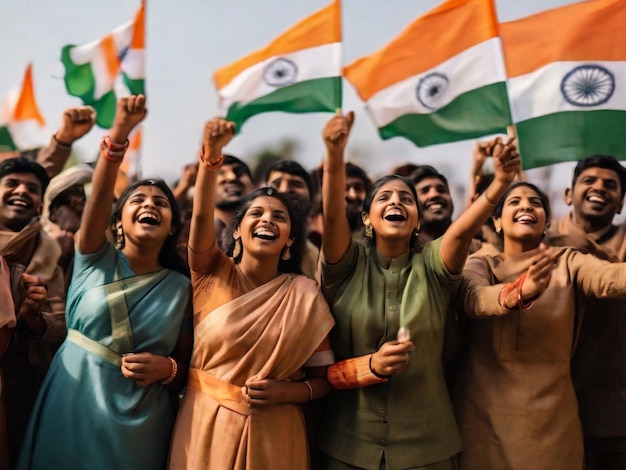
(596, 199)
(264, 234)
(148, 219)
(20, 202)
(395, 217)
(526, 219)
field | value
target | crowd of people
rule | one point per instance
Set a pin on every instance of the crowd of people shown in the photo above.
(313, 320)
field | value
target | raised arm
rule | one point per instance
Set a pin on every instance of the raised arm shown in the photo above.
(456, 241)
(75, 123)
(336, 237)
(217, 134)
(130, 111)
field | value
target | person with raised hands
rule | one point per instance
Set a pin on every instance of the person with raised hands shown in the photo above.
(514, 396)
(390, 407)
(108, 400)
(261, 346)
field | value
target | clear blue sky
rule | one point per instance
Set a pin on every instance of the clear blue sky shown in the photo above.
(187, 40)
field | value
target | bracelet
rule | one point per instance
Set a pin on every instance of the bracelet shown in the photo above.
(173, 373)
(208, 165)
(111, 151)
(520, 302)
(380, 376)
(306, 382)
(489, 201)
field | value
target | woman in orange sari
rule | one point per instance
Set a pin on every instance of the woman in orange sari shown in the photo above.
(260, 333)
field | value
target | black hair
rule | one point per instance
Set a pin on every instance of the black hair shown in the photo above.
(427, 171)
(292, 265)
(292, 168)
(354, 171)
(367, 203)
(25, 165)
(168, 256)
(232, 160)
(602, 161)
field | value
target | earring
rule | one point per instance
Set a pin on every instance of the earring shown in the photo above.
(286, 256)
(369, 233)
(237, 248)
(119, 237)
(416, 233)
(172, 231)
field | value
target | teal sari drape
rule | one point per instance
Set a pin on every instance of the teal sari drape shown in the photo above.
(88, 415)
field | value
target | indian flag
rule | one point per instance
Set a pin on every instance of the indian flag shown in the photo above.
(133, 62)
(441, 80)
(92, 70)
(298, 72)
(128, 171)
(567, 84)
(21, 123)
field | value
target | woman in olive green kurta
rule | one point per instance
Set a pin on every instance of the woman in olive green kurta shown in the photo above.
(514, 397)
(391, 409)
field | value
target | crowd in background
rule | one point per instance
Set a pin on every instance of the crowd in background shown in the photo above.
(311, 319)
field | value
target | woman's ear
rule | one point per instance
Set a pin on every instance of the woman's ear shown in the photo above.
(365, 217)
(497, 224)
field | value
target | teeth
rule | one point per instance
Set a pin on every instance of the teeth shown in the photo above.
(148, 219)
(525, 218)
(436, 206)
(596, 199)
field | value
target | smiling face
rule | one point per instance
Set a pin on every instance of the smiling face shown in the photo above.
(595, 196)
(523, 218)
(433, 201)
(264, 229)
(393, 212)
(232, 185)
(20, 200)
(146, 217)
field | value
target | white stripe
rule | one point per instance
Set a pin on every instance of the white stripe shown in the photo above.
(133, 64)
(122, 36)
(478, 66)
(104, 82)
(27, 134)
(8, 106)
(315, 62)
(539, 93)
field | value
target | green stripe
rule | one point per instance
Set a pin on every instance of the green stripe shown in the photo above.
(6, 141)
(309, 96)
(571, 136)
(80, 82)
(136, 87)
(477, 113)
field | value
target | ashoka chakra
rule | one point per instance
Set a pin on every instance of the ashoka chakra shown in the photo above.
(588, 85)
(280, 72)
(431, 90)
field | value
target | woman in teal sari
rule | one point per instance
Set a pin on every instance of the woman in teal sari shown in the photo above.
(108, 399)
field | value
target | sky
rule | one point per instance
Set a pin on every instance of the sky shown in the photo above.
(189, 39)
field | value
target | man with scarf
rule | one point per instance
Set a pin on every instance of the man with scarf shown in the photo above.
(37, 290)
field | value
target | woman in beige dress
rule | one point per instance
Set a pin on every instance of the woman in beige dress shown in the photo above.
(260, 333)
(514, 398)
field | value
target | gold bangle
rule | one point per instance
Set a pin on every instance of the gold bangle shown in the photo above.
(489, 201)
(306, 382)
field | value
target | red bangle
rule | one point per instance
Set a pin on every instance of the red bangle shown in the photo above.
(112, 152)
(208, 165)
(520, 302)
